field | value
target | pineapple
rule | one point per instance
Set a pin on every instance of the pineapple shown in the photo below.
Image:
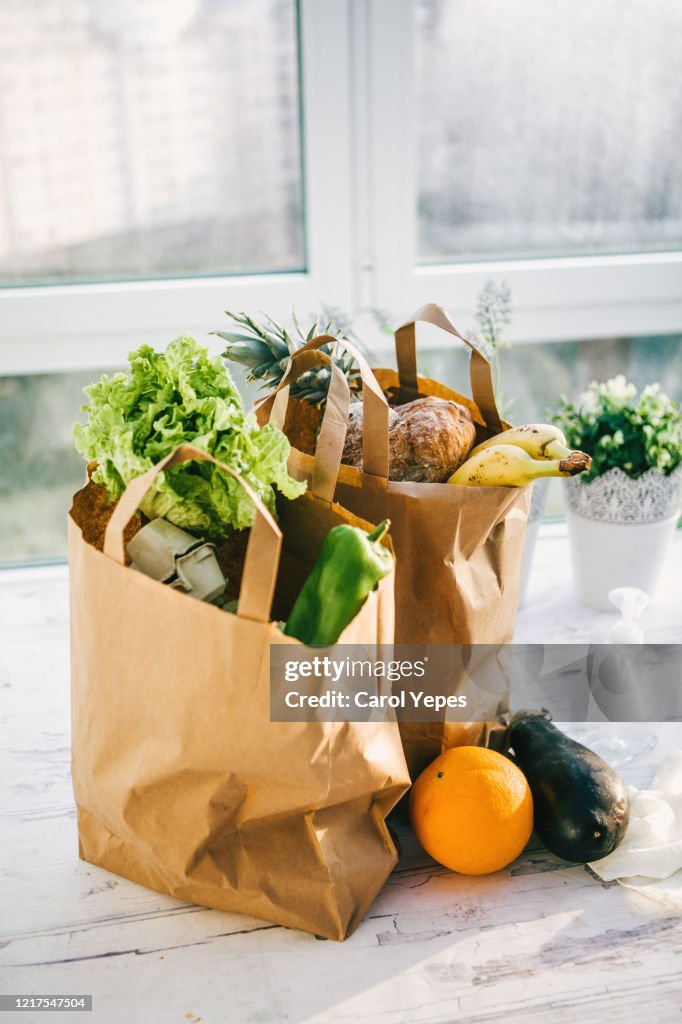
(264, 349)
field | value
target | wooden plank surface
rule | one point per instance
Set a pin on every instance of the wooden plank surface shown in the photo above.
(539, 941)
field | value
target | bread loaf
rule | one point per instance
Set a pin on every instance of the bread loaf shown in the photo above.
(428, 439)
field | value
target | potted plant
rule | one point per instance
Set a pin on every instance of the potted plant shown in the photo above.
(623, 512)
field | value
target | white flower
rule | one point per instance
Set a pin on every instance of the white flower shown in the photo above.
(589, 400)
(619, 391)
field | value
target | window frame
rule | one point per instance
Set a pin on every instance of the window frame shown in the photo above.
(359, 188)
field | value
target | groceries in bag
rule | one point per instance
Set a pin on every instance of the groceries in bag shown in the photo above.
(520, 455)
(540, 440)
(130, 421)
(458, 550)
(263, 348)
(505, 465)
(182, 781)
(183, 396)
(350, 565)
(348, 569)
(173, 556)
(427, 438)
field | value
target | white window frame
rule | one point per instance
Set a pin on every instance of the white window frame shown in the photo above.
(360, 212)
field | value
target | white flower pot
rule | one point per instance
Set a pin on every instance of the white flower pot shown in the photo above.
(620, 531)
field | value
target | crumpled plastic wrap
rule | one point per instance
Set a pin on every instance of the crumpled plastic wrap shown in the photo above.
(649, 860)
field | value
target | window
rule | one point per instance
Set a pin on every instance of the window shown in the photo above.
(172, 159)
(547, 129)
(148, 139)
(532, 141)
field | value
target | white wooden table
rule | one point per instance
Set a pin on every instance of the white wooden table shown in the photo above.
(539, 941)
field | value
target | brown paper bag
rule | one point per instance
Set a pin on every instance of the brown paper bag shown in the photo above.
(182, 781)
(458, 549)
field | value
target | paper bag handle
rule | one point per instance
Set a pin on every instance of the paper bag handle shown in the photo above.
(375, 409)
(262, 551)
(332, 435)
(482, 390)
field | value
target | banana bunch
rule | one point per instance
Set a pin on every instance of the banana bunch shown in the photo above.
(519, 455)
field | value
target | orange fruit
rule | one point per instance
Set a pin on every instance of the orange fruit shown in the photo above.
(472, 810)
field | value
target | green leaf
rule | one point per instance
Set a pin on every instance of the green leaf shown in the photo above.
(184, 396)
(248, 353)
(231, 336)
(279, 330)
(311, 333)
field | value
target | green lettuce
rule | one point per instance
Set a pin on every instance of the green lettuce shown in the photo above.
(183, 396)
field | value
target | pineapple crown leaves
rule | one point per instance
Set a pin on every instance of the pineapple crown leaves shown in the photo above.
(264, 347)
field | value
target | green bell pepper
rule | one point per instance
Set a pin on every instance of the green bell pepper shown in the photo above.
(349, 567)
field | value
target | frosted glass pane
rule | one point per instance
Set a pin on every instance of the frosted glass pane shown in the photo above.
(548, 128)
(148, 137)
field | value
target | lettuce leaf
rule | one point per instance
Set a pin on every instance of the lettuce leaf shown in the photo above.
(183, 396)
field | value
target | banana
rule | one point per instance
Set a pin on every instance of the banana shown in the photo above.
(541, 440)
(507, 465)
